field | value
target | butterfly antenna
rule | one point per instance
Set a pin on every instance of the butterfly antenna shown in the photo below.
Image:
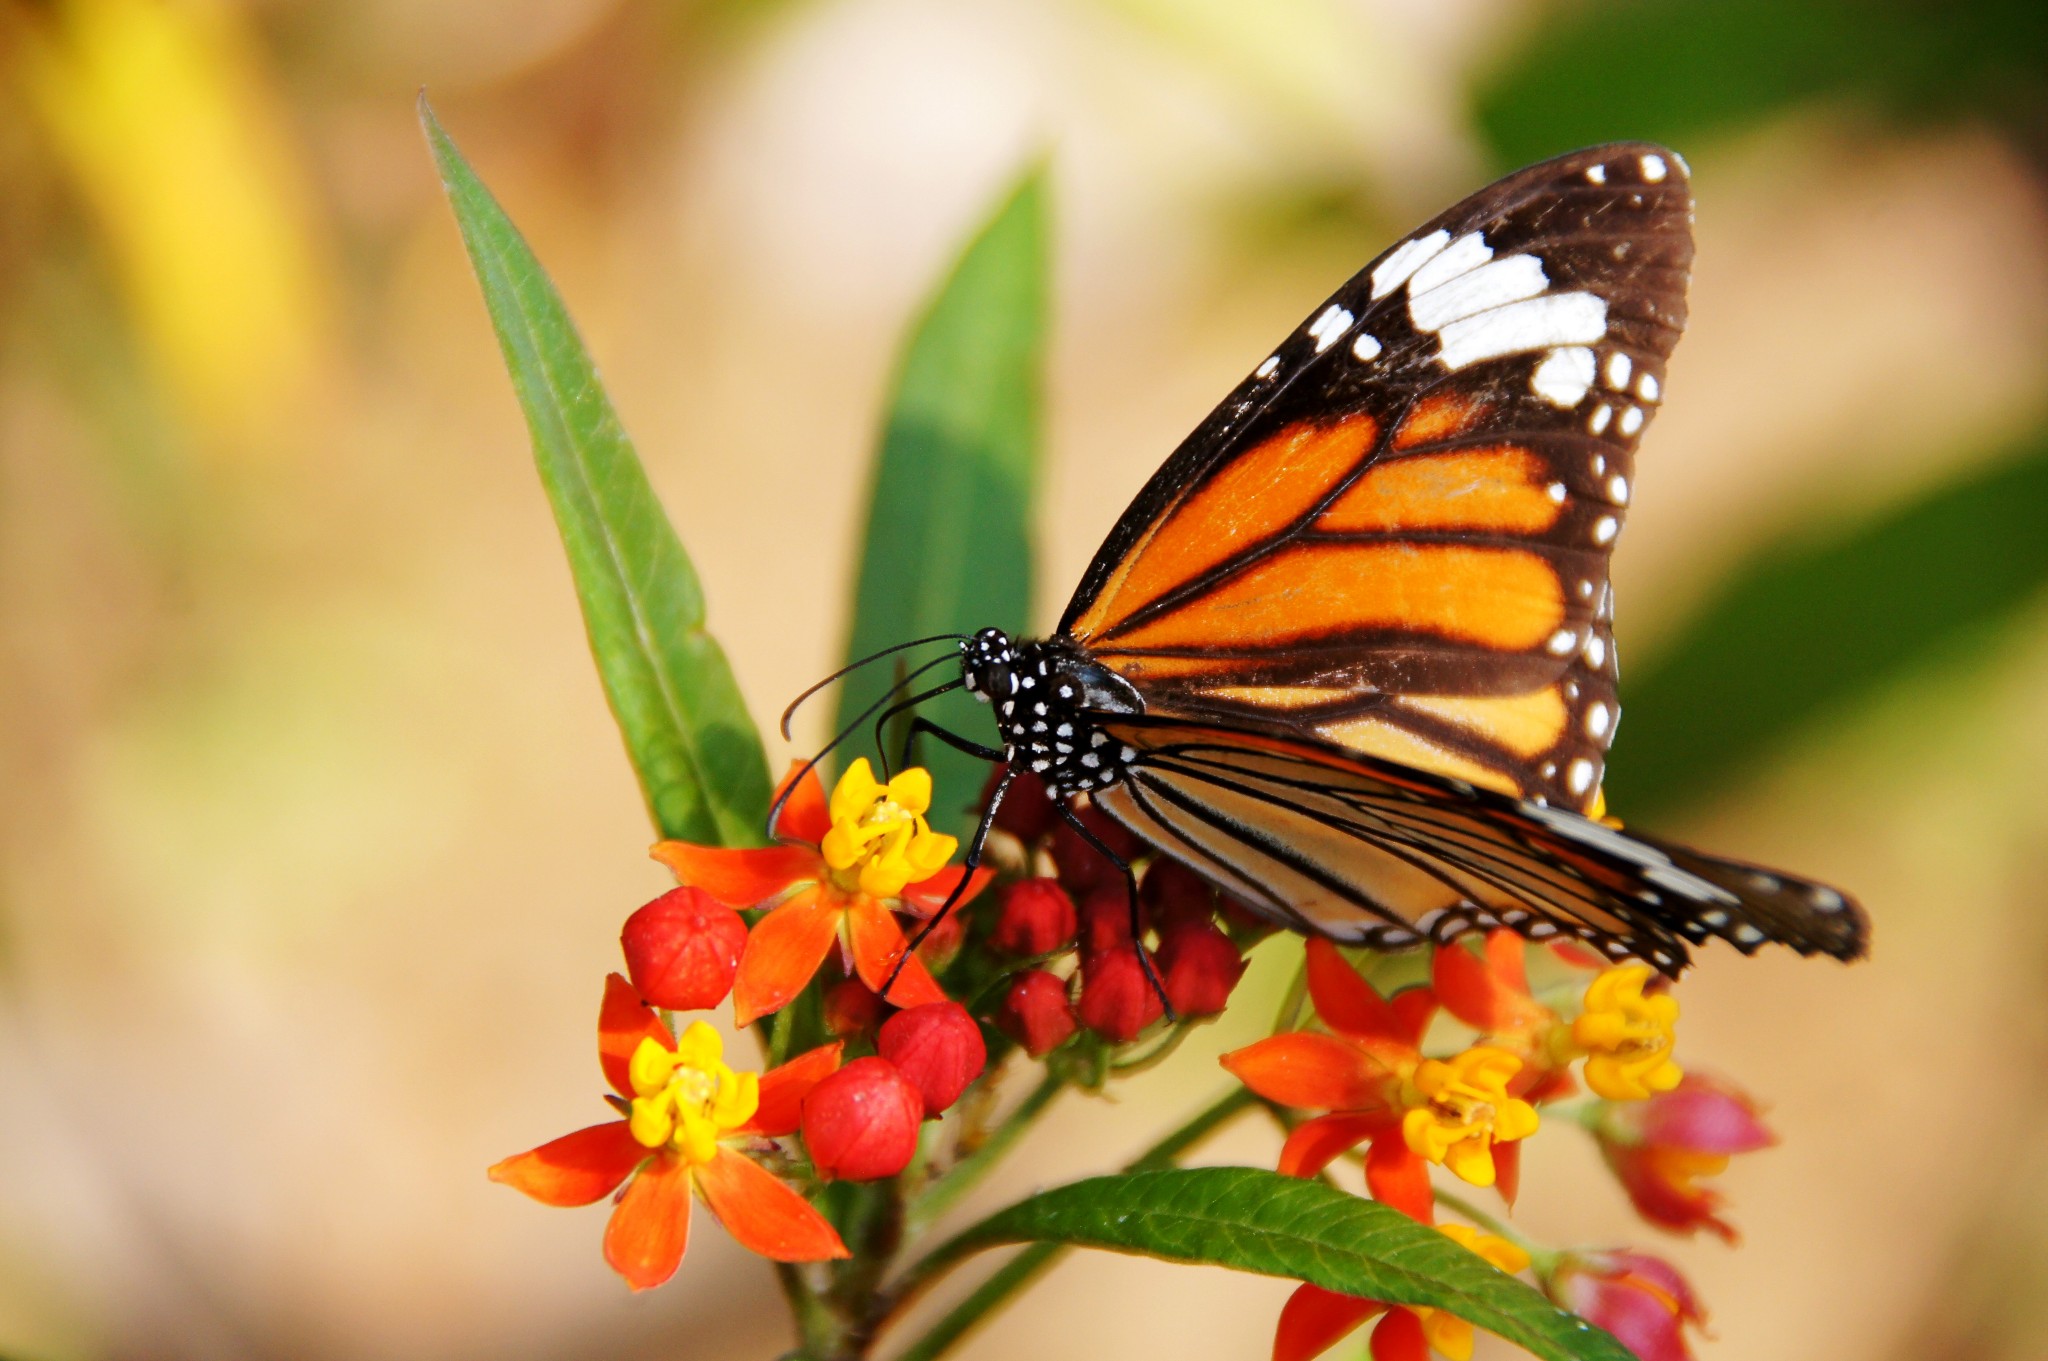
(789, 787)
(850, 667)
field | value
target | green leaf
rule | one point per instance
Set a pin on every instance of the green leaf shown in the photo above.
(1260, 1221)
(1678, 70)
(947, 547)
(1812, 623)
(696, 750)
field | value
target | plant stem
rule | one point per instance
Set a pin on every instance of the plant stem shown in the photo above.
(1027, 1265)
(964, 1175)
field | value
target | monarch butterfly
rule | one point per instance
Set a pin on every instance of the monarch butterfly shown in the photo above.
(1349, 653)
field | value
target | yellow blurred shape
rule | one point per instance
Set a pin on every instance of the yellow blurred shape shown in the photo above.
(160, 112)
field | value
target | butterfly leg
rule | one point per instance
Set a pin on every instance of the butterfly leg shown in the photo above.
(1131, 889)
(921, 725)
(882, 722)
(968, 864)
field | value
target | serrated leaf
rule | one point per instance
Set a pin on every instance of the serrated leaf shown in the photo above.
(947, 546)
(693, 745)
(1811, 623)
(1259, 1221)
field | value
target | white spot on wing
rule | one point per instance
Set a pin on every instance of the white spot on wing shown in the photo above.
(1631, 420)
(1578, 776)
(1619, 366)
(1406, 258)
(1597, 720)
(1597, 174)
(1533, 324)
(1478, 290)
(1556, 492)
(1654, 168)
(1365, 347)
(1605, 528)
(1596, 651)
(1617, 489)
(1269, 368)
(1333, 322)
(1563, 376)
(1648, 388)
(1462, 256)
(1563, 641)
(1602, 414)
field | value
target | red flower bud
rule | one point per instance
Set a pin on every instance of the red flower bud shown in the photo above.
(1027, 812)
(1170, 892)
(1082, 867)
(1200, 966)
(942, 942)
(861, 1123)
(1660, 1149)
(1106, 918)
(683, 949)
(1117, 998)
(938, 1047)
(1641, 1299)
(1035, 1012)
(1250, 925)
(1034, 917)
(852, 1008)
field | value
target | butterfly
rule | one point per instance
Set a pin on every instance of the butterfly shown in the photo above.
(1349, 654)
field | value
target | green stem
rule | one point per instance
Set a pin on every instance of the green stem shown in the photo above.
(1027, 1265)
(964, 1175)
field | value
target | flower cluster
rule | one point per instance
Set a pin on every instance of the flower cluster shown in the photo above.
(1367, 1066)
(881, 1016)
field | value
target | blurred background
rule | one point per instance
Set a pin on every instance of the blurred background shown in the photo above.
(315, 833)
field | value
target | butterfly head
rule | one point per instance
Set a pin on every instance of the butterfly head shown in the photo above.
(1048, 697)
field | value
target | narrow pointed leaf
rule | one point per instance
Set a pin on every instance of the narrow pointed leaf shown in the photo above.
(1813, 623)
(947, 547)
(1260, 1221)
(687, 731)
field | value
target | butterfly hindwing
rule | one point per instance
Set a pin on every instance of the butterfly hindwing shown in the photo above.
(1367, 852)
(1394, 534)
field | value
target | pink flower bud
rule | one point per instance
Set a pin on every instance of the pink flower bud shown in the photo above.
(860, 1124)
(683, 949)
(1641, 1299)
(1661, 1149)
(938, 1047)
(1082, 867)
(1117, 998)
(1172, 893)
(1036, 1013)
(1200, 966)
(1034, 917)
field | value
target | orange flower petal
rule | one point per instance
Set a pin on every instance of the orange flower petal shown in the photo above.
(1399, 1337)
(877, 944)
(1314, 1320)
(739, 878)
(1314, 1072)
(1413, 1010)
(1492, 996)
(807, 816)
(645, 1239)
(1398, 1176)
(1317, 1143)
(576, 1169)
(783, 951)
(783, 1090)
(1507, 1170)
(622, 1022)
(1349, 1006)
(763, 1215)
(927, 896)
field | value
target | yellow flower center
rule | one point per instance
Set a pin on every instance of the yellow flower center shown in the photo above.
(880, 841)
(1460, 1108)
(1627, 1037)
(1447, 1333)
(686, 1098)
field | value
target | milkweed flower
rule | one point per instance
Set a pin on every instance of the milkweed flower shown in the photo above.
(1372, 1078)
(683, 950)
(1628, 1035)
(938, 1048)
(1037, 1013)
(850, 865)
(1313, 1320)
(686, 1109)
(1661, 1148)
(1641, 1299)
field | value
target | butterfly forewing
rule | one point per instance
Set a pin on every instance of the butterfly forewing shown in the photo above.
(1368, 852)
(1394, 534)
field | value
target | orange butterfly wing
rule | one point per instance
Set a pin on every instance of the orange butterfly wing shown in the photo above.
(1394, 534)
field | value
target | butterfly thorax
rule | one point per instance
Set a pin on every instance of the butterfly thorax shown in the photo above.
(1048, 696)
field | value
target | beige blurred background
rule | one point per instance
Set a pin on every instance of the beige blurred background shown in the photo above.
(314, 831)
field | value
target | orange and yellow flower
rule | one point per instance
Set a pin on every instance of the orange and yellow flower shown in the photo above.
(685, 1107)
(1627, 1035)
(850, 864)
